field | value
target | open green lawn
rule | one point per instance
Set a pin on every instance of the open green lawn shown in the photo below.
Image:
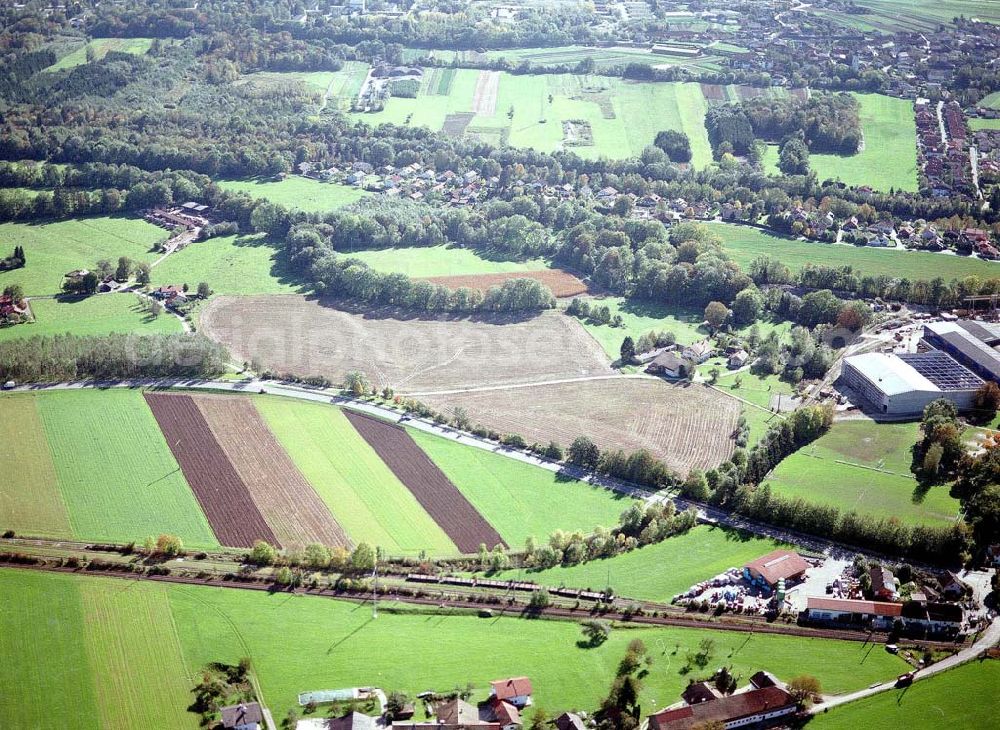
(296, 191)
(624, 116)
(101, 46)
(744, 244)
(42, 641)
(984, 123)
(864, 466)
(299, 643)
(440, 261)
(758, 390)
(230, 265)
(115, 470)
(602, 57)
(661, 571)
(992, 101)
(639, 317)
(920, 15)
(96, 315)
(52, 249)
(30, 501)
(518, 499)
(889, 158)
(365, 497)
(964, 697)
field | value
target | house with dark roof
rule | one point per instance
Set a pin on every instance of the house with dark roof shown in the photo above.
(244, 716)
(776, 566)
(569, 721)
(454, 714)
(750, 707)
(350, 721)
(669, 365)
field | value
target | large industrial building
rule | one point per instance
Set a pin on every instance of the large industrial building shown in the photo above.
(957, 358)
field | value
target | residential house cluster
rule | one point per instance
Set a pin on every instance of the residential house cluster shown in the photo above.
(943, 147)
(764, 701)
(414, 182)
(189, 216)
(676, 361)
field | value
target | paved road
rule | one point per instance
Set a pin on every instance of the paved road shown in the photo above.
(987, 639)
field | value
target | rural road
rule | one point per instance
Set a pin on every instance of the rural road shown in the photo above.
(537, 383)
(988, 639)
(706, 513)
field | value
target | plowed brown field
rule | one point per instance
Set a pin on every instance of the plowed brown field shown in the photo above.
(686, 426)
(288, 502)
(562, 283)
(443, 501)
(223, 496)
(302, 336)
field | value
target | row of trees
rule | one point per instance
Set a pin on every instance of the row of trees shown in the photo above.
(114, 356)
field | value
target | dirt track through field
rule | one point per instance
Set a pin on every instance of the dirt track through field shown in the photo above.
(484, 98)
(686, 426)
(288, 502)
(443, 501)
(561, 283)
(220, 491)
(410, 353)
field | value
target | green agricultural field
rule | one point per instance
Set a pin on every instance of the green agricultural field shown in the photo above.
(992, 101)
(41, 638)
(100, 314)
(889, 158)
(296, 191)
(230, 265)
(964, 697)
(864, 466)
(364, 496)
(30, 501)
(135, 656)
(101, 46)
(299, 643)
(744, 244)
(661, 571)
(518, 499)
(440, 261)
(115, 470)
(623, 116)
(977, 124)
(758, 390)
(52, 249)
(602, 57)
(923, 15)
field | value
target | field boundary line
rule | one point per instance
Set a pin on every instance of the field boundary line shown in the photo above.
(871, 468)
(536, 384)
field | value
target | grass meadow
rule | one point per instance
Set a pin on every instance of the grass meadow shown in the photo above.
(518, 499)
(890, 16)
(230, 265)
(976, 124)
(958, 698)
(624, 116)
(115, 471)
(889, 158)
(52, 249)
(440, 261)
(101, 46)
(661, 571)
(744, 244)
(30, 501)
(364, 496)
(95, 315)
(296, 191)
(51, 621)
(864, 466)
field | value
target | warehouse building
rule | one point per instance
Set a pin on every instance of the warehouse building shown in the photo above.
(902, 385)
(969, 343)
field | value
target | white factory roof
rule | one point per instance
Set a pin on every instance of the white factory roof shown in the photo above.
(890, 374)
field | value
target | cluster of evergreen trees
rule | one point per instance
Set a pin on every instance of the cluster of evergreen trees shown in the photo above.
(14, 261)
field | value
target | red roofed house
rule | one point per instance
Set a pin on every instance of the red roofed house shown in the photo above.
(775, 566)
(737, 710)
(506, 714)
(516, 690)
(845, 612)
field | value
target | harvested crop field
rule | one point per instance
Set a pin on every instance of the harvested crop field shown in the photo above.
(223, 496)
(686, 426)
(288, 502)
(443, 501)
(484, 98)
(562, 283)
(299, 335)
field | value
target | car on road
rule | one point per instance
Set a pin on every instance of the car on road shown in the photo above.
(905, 680)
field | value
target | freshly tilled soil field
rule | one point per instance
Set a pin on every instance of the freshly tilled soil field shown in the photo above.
(407, 352)
(443, 501)
(222, 494)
